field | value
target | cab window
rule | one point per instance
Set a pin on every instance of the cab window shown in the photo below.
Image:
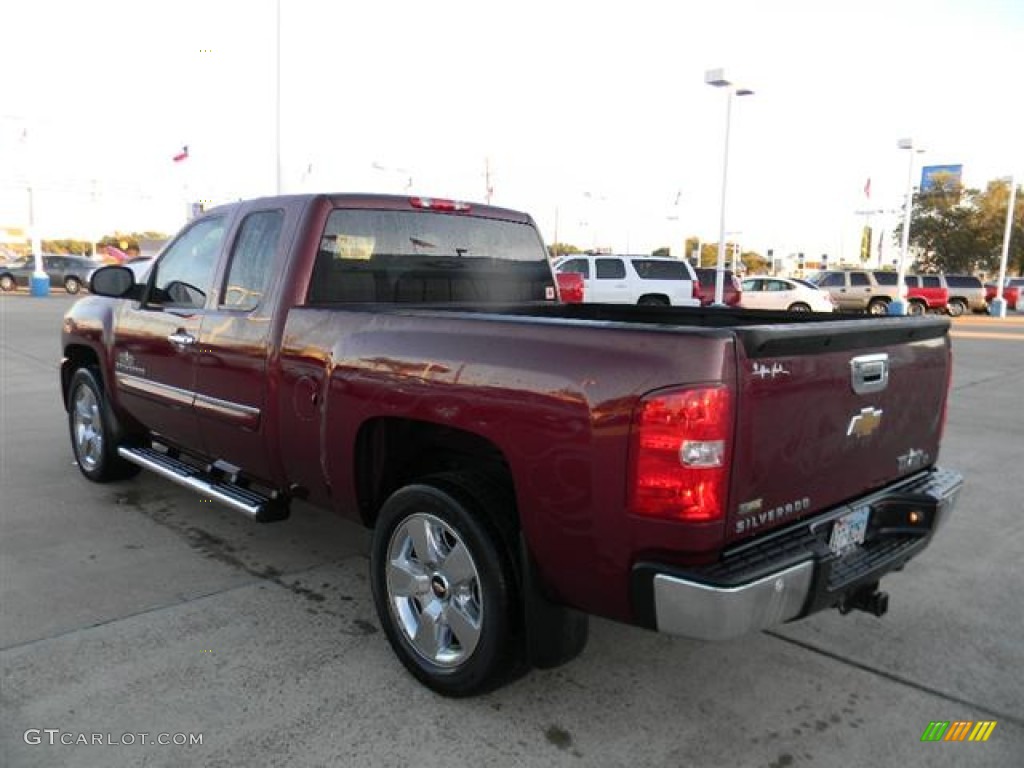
(184, 275)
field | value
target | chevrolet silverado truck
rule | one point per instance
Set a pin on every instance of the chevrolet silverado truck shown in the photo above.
(523, 463)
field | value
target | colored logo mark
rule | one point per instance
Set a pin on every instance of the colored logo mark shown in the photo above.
(958, 730)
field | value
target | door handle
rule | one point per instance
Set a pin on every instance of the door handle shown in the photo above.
(182, 339)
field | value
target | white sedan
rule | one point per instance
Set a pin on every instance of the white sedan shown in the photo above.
(767, 292)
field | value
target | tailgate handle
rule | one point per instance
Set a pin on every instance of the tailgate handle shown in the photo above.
(869, 373)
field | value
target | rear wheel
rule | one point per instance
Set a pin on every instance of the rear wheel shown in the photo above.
(799, 307)
(444, 583)
(92, 434)
(916, 308)
(878, 307)
(72, 284)
(7, 283)
(956, 307)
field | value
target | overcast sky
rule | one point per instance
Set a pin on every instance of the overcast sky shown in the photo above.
(594, 115)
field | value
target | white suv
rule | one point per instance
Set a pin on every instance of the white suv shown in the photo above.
(652, 280)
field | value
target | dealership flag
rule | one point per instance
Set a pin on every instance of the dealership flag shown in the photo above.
(183, 155)
(867, 188)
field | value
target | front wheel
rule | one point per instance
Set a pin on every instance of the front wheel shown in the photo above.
(444, 585)
(7, 283)
(72, 285)
(799, 307)
(916, 308)
(956, 307)
(92, 433)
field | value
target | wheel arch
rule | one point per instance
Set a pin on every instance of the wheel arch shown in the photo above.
(654, 298)
(78, 356)
(391, 452)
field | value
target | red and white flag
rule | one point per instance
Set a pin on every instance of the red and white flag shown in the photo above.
(867, 188)
(181, 156)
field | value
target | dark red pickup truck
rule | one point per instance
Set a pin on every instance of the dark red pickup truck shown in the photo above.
(522, 462)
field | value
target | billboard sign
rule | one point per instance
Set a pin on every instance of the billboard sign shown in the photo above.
(937, 177)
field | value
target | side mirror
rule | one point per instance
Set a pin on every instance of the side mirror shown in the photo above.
(115, 282)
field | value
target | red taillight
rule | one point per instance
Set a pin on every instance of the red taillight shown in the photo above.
(435, 204)
(570, 287)
(679, 461)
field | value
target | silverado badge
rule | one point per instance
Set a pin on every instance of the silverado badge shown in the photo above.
(865, 422)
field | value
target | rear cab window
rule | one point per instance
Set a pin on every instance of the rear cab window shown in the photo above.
(395, 256)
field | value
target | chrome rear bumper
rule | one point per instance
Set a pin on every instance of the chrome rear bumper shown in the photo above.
(792, 573)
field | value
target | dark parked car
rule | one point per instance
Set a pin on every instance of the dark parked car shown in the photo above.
(731, 291)
(72, 272)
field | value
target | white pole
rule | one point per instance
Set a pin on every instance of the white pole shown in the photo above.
(720, 265)
(999, 303)
(899, 306)
(39, 284)
(277, 106)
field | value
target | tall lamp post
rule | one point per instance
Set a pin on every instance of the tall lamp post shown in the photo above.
(899, 305)
(716, 78)
(998, 304)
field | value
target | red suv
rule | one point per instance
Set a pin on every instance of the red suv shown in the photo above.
(1011, 290)
(731, 290)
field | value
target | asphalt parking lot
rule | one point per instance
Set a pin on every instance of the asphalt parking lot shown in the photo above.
(138, 608)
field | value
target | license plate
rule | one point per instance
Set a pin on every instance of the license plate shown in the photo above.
(848, 531)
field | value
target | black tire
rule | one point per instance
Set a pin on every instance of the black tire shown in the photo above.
(92, 431)
(7, 283)
(72, 284)
(916, 308)
(465, 583)
(878, 307)
(956, 307)
(799, 307)
(654, 301)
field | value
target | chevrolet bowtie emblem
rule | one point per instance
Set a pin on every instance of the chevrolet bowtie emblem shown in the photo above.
(865, 422)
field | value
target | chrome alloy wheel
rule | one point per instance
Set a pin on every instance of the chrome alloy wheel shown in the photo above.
(88, 428)
(433, 590)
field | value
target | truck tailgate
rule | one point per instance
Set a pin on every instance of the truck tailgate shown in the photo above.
(830, 412)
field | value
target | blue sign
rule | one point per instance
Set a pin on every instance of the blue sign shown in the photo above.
(937, 177)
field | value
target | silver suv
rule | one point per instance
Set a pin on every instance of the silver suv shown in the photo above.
(856, 290)
(966, 293)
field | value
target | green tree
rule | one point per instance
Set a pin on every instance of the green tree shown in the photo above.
(755, 263)
(663, 251)
(562, 249)
(961, 230)
(68, 246)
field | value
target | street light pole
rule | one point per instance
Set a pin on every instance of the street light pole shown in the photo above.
(716, 78)
(899, 305)
(277, 104)
(998, 304)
